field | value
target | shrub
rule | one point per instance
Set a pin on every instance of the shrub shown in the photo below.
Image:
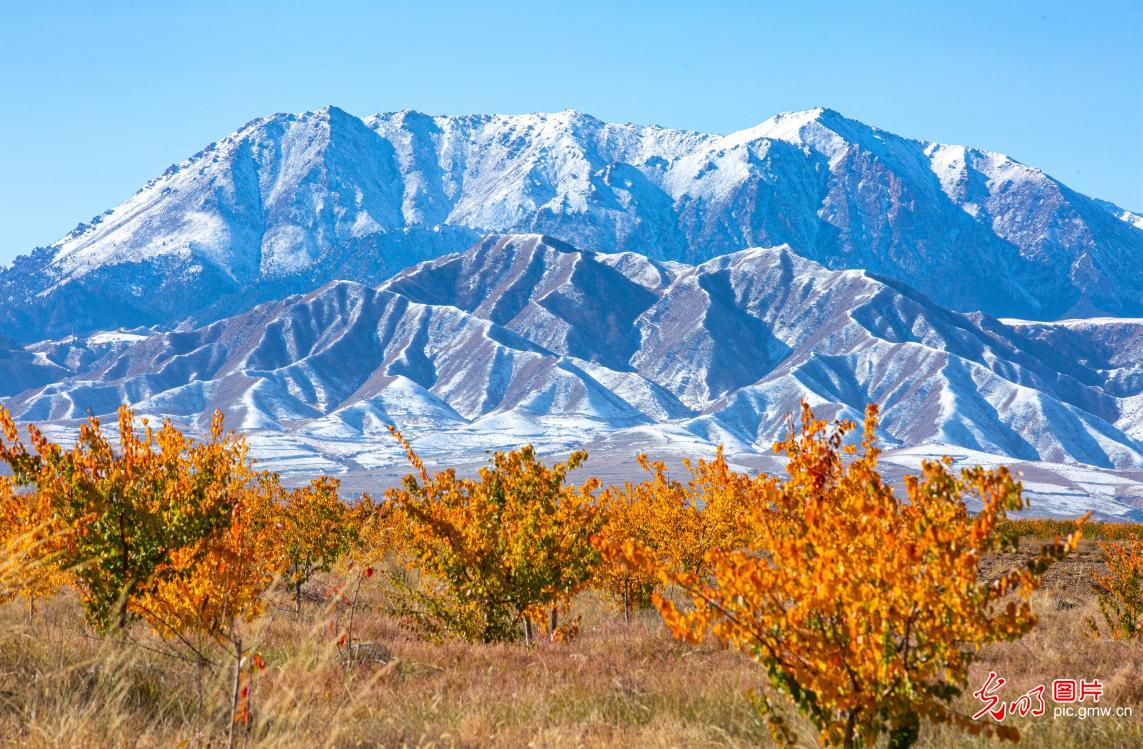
(208, 587)
(317, 530)
(29, 541)
(676, 522)
(119, 515)
(496, 551)
(864, 610)
(1049, 528)
(1119, 591)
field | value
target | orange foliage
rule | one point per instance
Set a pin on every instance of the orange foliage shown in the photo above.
(1120, 590)
(678, 523)
(865, 610)
(30, 546)
(175, 530)
(317, 530)
(1048, 528)
(119, 514)
(497, 550)
(206, 588)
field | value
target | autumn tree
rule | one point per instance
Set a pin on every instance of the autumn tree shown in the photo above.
(207, 588)
(119, 514)
(676, 522)
(864, 610)
(318, 529)
(30, 545)
(630, 513)
(1119, 591)
(499, 550)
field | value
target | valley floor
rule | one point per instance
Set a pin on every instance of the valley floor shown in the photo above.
(615, 685)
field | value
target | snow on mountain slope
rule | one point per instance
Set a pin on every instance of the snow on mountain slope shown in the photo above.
(21, 369)
(1111, 349)
(526, 338)
(289, 202)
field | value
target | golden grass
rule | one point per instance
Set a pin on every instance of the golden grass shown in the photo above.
(614, 686)
(1048, 528)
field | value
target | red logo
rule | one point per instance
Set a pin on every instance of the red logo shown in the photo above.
(1032, 702)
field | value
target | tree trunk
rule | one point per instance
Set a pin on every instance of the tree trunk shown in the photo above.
(527, 630)
(554, 623)
(298, 599)
(850, 730)
(200, 666)
(234, 694)
(126, 567)
(249, 704)
(627, 602)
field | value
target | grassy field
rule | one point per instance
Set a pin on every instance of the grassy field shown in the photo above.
(615, 685)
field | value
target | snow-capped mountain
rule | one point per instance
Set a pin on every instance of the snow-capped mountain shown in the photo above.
(289, 202)
(524, 337)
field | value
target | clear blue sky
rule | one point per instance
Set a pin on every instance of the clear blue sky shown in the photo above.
(96, 98)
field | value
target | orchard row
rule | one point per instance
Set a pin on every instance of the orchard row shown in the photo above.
(863, 607)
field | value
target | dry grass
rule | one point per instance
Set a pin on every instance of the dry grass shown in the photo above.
(614, 686)
(1093, 530)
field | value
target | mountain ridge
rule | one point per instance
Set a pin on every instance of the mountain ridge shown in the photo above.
(552, 278)
(523, 327)
(290, 201)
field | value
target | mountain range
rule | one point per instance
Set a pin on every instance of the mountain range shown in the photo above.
(289, 202)
(489, 280)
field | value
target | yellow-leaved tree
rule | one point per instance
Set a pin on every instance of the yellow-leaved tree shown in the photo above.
(118, 512)
(864, 609)
(497, 551)
(207, 588)
(676, 522)
(30, 546)
(318, 529)
(180, 532)
(1119, 590)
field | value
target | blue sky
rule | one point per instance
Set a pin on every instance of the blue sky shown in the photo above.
(95, 99)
